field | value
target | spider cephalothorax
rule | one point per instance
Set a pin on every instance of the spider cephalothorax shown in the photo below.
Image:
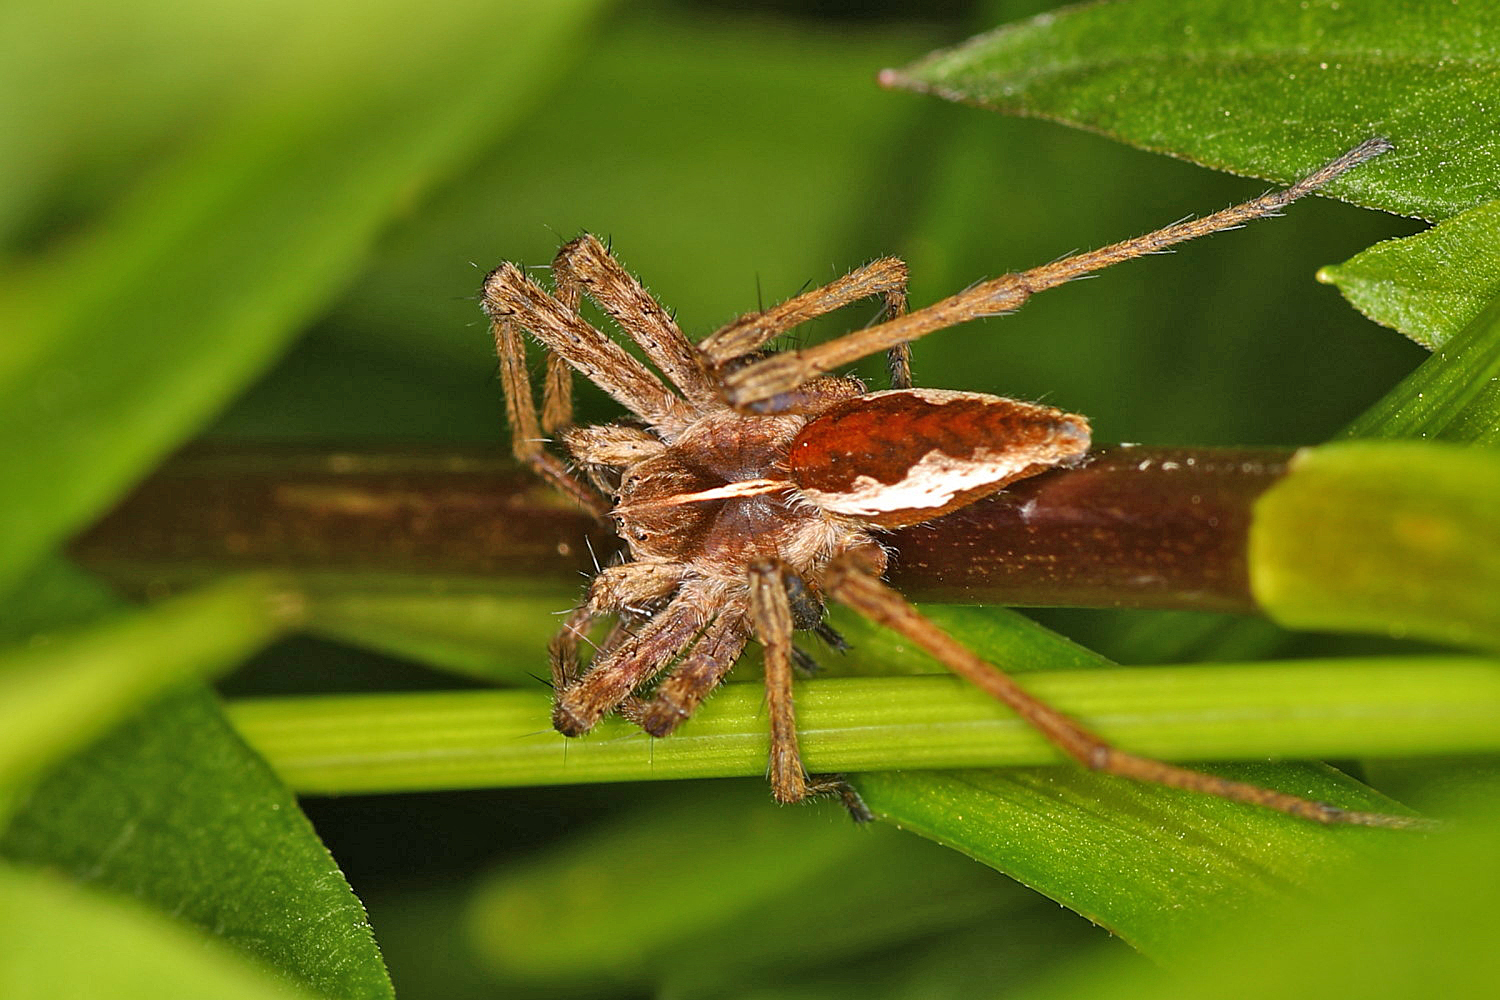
(759, 486)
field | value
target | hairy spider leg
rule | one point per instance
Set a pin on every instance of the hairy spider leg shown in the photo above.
(527, 440)
(615, 591)
(641, 656)
(855, 586)
(886, 277)
(771, 616)
(510, 296)
(683, 689)
(585, 264)
(763, 385)
(557, 383)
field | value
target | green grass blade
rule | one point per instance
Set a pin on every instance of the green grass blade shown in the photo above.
(1431, 285)
(495, 636)
(1398, 538)
(341, 744)
(1263, 87)
(63, 940)
(1094, 843)
(1452, 396)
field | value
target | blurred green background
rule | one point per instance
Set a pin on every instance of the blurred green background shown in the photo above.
(733, 153)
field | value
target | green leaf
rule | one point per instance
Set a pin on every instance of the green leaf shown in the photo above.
(130, 337)
(1155, 866)
(63, 940)
(1452, 396)
(1419, 924)
(1266, 88)
(65, 689)
(1431, 285)
(1396, 538)
(174, 810)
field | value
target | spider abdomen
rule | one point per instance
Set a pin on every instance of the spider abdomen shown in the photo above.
(905, 456)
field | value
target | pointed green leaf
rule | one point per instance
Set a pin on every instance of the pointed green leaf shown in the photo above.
(1261, 87)
(1431, 285)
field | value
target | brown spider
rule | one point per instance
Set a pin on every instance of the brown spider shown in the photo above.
(758, 487)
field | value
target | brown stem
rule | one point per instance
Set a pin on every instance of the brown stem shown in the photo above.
(457, 513)
(1128, 527)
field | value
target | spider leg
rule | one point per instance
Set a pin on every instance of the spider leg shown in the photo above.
(585, 264)
(849, 579)
(611, 444)
(771, 615)
(885, 277)
(638, 658)
(527, 440)
(603, 450)
(898, 356)
(557, 384)
(701, 670)
(781, 373)
(509, 296)
(613, 590)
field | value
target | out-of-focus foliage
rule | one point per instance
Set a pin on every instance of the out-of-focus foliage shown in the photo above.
(268, 221)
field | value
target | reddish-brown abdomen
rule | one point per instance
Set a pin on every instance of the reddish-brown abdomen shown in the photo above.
(909, 455)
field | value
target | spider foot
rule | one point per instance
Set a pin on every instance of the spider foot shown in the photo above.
(837, 786)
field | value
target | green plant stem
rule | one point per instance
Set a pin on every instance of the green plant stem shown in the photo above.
(1363, 707)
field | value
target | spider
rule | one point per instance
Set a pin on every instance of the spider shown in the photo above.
(755, 486)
